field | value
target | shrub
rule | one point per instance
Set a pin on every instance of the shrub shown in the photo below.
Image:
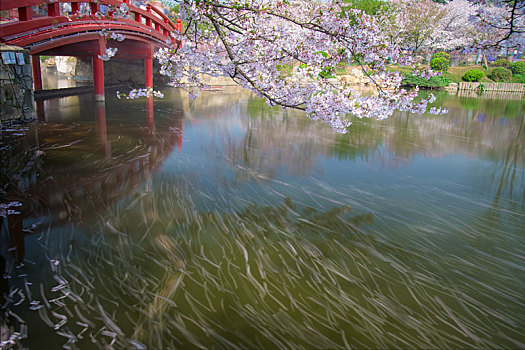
(500, 74)
(501, 63)
(518, 78)
(434, 82)
(518, 67)
(441, 54)
(473, 75)
(440, 64)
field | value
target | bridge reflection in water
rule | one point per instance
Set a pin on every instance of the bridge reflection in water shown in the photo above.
(108, 173)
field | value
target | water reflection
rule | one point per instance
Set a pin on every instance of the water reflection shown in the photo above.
(150, 115)
(266, 229)
(52, 79)
(101, 128)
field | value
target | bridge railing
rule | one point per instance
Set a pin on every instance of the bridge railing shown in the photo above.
(23, 11)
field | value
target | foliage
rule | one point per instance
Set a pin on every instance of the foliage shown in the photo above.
(434, 82)
(500, 62)
(455, 74)
(501, 74)
(439, 64)
(518, 67)
(481, 88)
(370, 7)
(518, 78)
(441, 54)
(473, 75)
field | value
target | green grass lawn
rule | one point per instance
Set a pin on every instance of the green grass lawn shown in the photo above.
(454, 74)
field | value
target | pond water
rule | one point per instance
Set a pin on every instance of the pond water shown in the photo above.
(224, 223)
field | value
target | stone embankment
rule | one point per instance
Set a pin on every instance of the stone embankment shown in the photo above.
(356, 77)
(16, 84)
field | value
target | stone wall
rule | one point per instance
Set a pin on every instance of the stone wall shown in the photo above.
(16, 84)
(84, 69)
(119, 72)
(126, 72)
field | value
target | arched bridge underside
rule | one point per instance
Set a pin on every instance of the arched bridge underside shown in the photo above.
(72, 28)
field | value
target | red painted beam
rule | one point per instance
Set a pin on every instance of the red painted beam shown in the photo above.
(37, 37)
(15, 28)
(25, 13)
(128, 49)
(53, 10)
(65, 41)
(28, 24)
(138, 17)
(37, 73)
(13, 4)
(19, 28)
(155, 12)
(47, 46)
(77, 49)
(75, 7)
(94, 8)
(148, 18)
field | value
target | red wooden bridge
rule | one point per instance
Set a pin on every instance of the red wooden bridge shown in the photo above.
(72, 28)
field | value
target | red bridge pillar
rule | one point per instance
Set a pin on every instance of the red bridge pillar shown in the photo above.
(98, 72)
(37, 73)
(148, 68)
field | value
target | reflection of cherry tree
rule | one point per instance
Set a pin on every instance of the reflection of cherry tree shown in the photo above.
(506, 179)
(263, 151)
(275, 141)
(477, 132)
(509, 173)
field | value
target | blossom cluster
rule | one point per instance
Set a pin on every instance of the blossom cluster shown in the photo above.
(110, 52)
(9, 208)
(500, 24)
(111, 35)
(425, 72)
(252, 42)
(136, 93)
(114, 12)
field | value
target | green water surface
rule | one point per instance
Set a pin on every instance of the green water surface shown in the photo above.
(223, 223)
